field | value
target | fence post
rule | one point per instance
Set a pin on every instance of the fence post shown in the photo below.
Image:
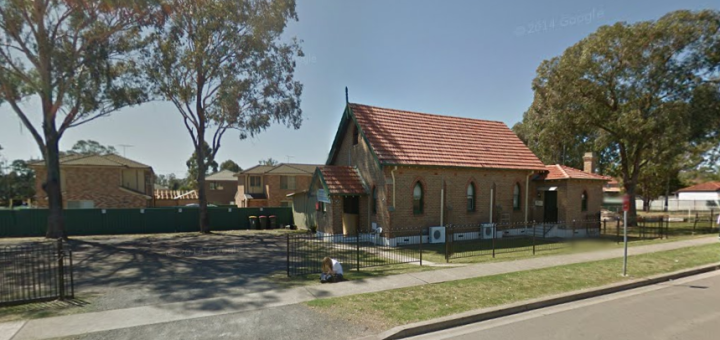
(604, 226)
(61, 269)
(421, 236)
(287, 236)
(711, 220)
(533, 240)
(494, 231)
(448, 237)
(357, 247)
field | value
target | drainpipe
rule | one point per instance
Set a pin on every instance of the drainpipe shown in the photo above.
(442, 201)
(492, 196)
(527, 196)
(392, 173)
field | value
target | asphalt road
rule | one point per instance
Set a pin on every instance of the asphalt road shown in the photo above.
(683, 309)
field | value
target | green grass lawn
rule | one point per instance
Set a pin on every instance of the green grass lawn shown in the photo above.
(81, 304)
(391, 308)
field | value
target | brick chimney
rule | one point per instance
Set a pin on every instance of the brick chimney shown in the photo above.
(589, 162)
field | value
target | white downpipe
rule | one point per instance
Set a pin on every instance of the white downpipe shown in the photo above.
(392, 173)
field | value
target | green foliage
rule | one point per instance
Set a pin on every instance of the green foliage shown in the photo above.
(640, 95)
(209, 165)
(17, 181)
(270, 161)
(171, 182)
(230, 165)
(91, 147)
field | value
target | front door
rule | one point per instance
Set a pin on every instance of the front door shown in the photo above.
(351, 214)
(550, 204)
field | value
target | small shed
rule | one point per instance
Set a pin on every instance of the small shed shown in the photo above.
(303, 207)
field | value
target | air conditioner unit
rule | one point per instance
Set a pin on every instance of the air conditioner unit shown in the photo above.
(487, 231)
(437, 234)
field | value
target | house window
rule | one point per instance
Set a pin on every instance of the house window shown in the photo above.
(471, 197)
(287, 182)
(417, 199)
(255, 186)
(516, 197)
(374, 200)
(583, 201)
(356, 135)
(215, 186)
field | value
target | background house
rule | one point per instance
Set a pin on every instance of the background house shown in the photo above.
(99, 181)
(708, 191)
(402, 170)
(221, 187)
(269, 185)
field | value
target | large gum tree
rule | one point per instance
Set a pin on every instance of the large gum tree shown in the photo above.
(225, 66)
(641, 94)
(75, 59)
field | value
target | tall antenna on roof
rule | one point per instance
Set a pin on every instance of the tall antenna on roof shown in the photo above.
(124, 147)
(346, 96)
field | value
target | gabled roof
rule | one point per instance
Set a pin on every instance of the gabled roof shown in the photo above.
(282, 169)
(96, 160)
(341, 180)
(410, 138)
(558, 172)
(224, 175)
(702, 187)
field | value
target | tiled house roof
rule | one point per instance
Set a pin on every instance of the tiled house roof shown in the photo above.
(224, 175)
(558, 171)
(410, 138)
(702, 187)
(96, 160)
(341, 180)
(282, 169)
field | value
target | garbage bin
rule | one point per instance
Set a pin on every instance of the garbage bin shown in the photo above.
(263, 222)
(273, 222)
(254, 223)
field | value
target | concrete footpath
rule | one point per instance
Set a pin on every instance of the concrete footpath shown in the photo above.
(72, 325)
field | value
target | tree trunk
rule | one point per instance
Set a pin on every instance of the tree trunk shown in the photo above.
(202, 197)
(632, 214)
(56, 222)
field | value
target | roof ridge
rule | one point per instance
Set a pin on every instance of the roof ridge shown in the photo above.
(562, 170)
(428, 114)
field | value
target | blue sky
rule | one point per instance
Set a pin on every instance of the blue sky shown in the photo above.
(463, 58)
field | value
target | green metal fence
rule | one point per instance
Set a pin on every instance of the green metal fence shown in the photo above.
(33, 222)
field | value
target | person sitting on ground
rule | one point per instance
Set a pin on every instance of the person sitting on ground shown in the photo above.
(331, 270)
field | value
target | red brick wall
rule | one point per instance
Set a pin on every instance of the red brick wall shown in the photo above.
(100, 185)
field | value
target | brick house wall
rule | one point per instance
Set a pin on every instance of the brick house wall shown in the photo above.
(275, 195)
(100, 185)
(223, 196)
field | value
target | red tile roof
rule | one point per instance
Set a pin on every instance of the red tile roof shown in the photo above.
(558, 171)
(412, 138)
(707, 186)
(342, 180)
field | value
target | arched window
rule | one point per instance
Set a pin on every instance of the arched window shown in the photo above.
(583, 201)
(356, 135)
(471, 197)
(374, 200)
(516, 197)
(417, 199)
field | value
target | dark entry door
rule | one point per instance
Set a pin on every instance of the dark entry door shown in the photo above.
(350, 217)
(551, 211)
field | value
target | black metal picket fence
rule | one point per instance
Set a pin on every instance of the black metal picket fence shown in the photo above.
(305, 252)
(37, 272)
